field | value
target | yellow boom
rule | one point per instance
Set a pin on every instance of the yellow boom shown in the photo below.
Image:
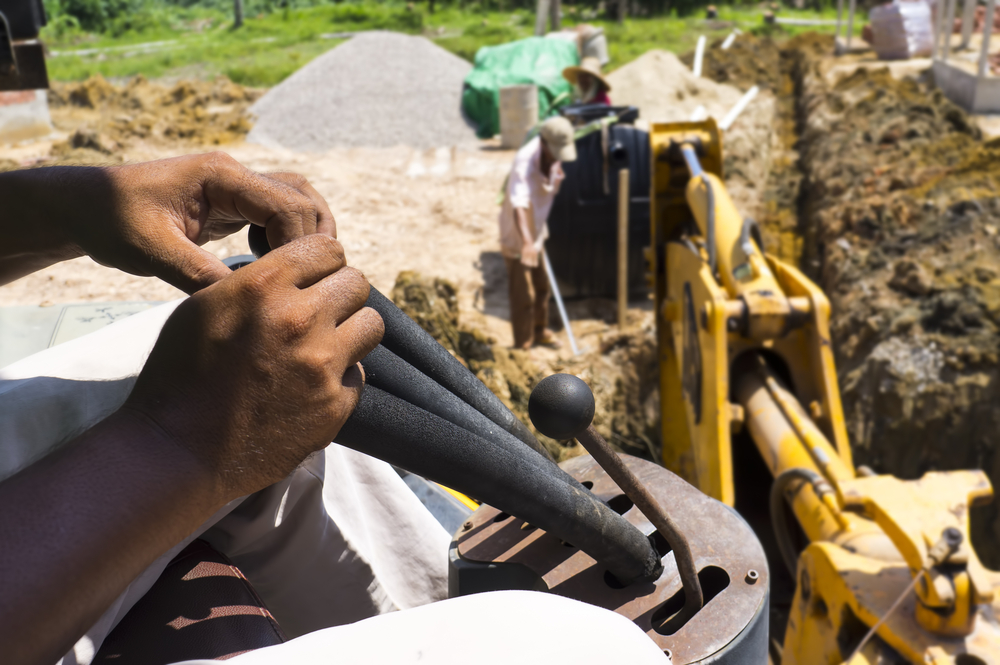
(744, 341)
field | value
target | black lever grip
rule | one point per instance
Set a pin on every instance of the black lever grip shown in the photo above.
(398, 432)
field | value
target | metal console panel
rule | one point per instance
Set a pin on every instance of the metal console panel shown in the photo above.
(495, 551)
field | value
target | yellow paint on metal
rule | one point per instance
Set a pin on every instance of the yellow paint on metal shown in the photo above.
(869, 541)
(814, 372)
(464, 500)
(840, 594)
(698, 341)
(914, 513)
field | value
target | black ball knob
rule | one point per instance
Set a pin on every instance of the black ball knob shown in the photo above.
(257, 239)
(561, 406)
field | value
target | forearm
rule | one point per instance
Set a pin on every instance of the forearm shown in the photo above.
(35, 207)
(521, 216)
(81, 524)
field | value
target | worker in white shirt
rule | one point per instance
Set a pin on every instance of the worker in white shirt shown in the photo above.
(531, 188)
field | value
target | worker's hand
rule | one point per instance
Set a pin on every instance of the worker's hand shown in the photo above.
(151, 218)
(529, 256)
(254, 373)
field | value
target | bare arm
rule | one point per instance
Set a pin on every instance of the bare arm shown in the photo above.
(150, 218)
(529, 256)
(249, 376)
(81, 524)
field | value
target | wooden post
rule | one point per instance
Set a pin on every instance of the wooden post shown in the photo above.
(555, 18)
(237, 13)
(622, 10)
(623, 201)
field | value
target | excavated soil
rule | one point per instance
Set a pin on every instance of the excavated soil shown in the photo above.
(885, 193)
(902, 205)
(102, 121)
(620, 368)
(749, 61)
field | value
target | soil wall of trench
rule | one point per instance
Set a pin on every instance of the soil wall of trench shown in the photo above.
(899, 211)
(886, 195)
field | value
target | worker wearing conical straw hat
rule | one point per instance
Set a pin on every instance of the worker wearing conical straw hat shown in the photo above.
(589, 83)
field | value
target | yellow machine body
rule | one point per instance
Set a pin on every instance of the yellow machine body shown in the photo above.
(744, 342)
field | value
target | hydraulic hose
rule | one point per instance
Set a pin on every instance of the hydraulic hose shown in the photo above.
(387, 371)
(413, 344)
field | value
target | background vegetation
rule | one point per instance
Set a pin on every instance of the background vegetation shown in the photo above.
(195, 38)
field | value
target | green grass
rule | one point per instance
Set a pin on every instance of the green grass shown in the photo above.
(270, 47)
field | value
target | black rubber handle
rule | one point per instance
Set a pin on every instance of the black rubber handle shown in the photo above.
(561, 406)
(400, 433)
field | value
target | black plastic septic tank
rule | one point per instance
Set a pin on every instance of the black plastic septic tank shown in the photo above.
(583, 223)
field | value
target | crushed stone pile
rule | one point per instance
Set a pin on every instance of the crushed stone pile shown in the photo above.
(665, 90)
(102, 118)
(902, 225)
(622, 371)
(378, 89)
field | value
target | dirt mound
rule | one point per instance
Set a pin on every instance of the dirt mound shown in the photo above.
(378, 89)
(103, 118)
(903, 217)
(749, 61)
(622, 371)
(665, 90)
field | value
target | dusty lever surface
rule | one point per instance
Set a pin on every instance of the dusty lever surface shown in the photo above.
(562, 407)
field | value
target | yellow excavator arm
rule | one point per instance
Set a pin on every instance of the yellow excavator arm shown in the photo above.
(887, 572)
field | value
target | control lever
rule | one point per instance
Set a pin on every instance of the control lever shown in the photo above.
(562, 407)
(423, 411)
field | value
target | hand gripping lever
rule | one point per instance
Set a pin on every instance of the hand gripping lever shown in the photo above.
(423, 411)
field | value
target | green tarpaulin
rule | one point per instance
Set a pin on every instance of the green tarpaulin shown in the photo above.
(535, 60)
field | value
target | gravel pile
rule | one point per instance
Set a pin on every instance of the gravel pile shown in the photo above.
(378, 89)
(665, 90)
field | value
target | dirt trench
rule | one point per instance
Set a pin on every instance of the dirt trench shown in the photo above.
(897, 219)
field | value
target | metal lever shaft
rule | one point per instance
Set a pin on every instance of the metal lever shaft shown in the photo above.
(648, 506)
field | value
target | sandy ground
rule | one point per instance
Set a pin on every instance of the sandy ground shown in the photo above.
(431, 211)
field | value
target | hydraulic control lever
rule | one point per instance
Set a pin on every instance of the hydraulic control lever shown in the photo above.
(423, 411)
(562, 407)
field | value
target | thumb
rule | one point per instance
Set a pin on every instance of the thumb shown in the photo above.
(187, 266)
